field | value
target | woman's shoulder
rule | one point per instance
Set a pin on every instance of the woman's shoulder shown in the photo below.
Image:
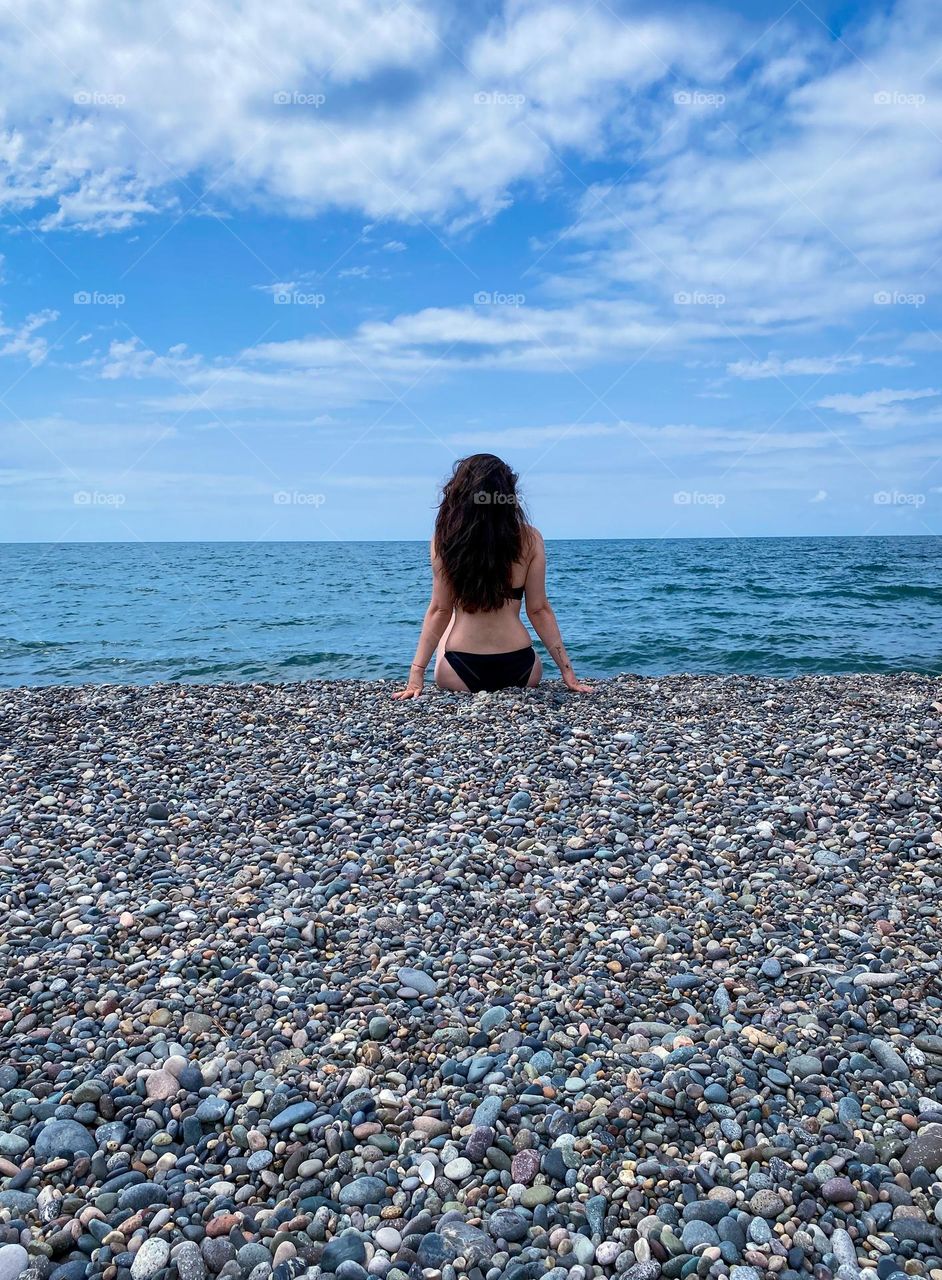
(532, 541)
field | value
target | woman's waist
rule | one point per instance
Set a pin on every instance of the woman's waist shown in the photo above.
(468, 636)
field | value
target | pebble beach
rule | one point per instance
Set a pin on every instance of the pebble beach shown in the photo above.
(299, 981)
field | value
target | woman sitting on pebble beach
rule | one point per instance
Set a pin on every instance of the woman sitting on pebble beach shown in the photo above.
(486, 559)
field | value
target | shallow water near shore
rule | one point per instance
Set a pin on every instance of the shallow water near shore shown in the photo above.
(216, 612)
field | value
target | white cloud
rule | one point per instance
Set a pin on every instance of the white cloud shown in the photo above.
(129, 358)
(774, 367)
(25, 340)
(110, 200)
(68, 437)
(873, 402)
(289, 106)
(803, 206)
(281, 286)
(888, 408)
(686, 438)
(529, 437)
(927, 340)
(380, 358)
(490, 336)
(676, 442)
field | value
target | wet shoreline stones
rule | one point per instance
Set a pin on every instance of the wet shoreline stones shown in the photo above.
(298, 981)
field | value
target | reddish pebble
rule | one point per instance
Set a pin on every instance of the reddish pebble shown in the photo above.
(223, 1224)
(525, 1166)
(161, 1084)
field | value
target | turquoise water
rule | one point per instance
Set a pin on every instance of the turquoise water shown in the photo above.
(220, 611)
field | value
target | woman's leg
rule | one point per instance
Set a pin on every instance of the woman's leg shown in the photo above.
(446, 677)
(536, 674)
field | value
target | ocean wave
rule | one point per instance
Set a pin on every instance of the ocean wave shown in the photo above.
(11, 646)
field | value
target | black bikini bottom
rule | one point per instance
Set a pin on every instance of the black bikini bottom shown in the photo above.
(491, 671)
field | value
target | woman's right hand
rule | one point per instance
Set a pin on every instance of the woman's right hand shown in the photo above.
(574, 685)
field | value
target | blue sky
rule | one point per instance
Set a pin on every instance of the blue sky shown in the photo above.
(267, 270)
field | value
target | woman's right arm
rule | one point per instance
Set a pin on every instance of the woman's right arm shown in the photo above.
(540, 612)
(437, 617)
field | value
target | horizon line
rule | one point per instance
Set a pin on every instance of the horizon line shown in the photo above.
(276, 542)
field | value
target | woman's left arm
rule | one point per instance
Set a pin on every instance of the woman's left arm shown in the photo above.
(437, 617)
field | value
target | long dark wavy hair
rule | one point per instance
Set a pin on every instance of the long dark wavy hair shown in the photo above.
(480, 531)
